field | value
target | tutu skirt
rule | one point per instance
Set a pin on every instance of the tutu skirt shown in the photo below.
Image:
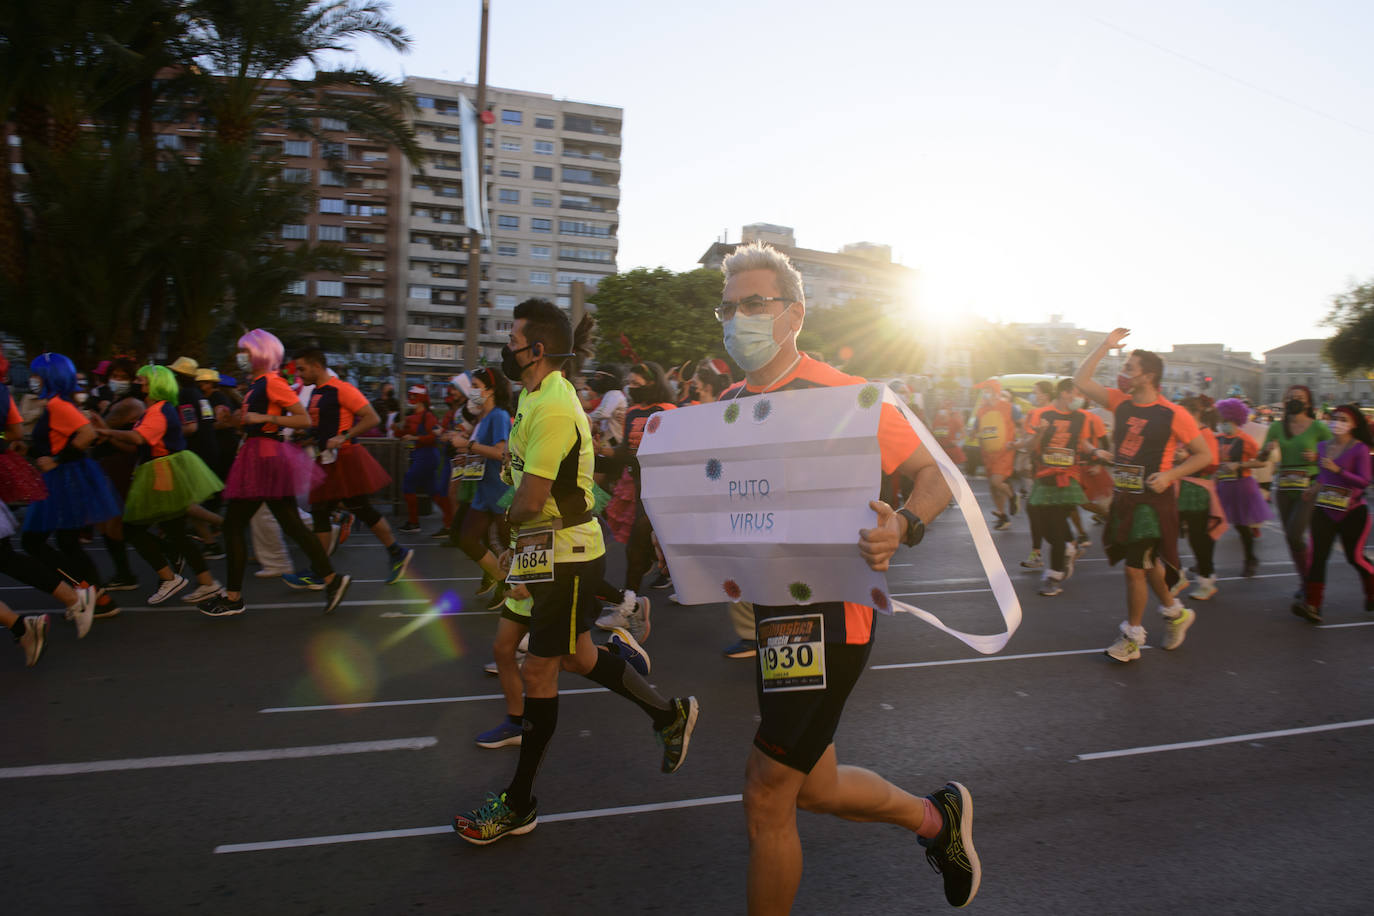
(1242, 501)
(354, 473)
(79, 494)
(1045, 493)
(19, 480)
(267, 469)
(1193, 498)
(8, 525)
(165, 487)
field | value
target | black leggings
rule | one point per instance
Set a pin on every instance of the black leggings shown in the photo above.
(359, 505)
(1247, 541)
(174, 535)
(1037, 514)
(1198, 538)
(1054, 527)
(30, 570)
(472, 536)
(1353, 530)
(68, 557)
(237, 517)
(639, 550)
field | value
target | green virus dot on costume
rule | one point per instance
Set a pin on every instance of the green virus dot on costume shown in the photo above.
(732, 413)
(800, 591)
(868, 396)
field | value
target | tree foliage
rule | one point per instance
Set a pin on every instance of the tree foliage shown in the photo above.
(1352, 315)
(667, 317)
(112, 239)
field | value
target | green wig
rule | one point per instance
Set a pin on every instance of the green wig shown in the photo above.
(162, 384)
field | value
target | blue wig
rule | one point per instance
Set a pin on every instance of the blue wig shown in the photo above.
(58, 375)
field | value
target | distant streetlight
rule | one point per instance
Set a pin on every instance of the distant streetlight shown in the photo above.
(1082, 342)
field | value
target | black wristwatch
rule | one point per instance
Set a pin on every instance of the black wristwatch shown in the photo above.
(915, 528)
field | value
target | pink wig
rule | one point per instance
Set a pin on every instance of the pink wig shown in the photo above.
(1233, 410)
(264, 349)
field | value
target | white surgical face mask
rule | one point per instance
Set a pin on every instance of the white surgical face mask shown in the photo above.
(244, 362)
(36, 385)
(1340, 427)
(1226, 428)
(476, 402)
(118, 386)
(80, 397)
(749, 339)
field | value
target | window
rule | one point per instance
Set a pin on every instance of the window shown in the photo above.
(295, 288)
(293, 231)
(333, 124)
(543, 173)
(505, 275)
(376, 265)
(329, 287)
(510, 170)
(508, 196)
(366, 209)
(541, 252)
(543, 147)
(366, 237)
(584, 254)
(578, 227)
(505, 301)
(419, 292)
(563, 302)
(370, 292)
(168, 141)
(543, 122)
(333, 150)
(298, 176)
(510, 144)
(296, 147)
(508, 251)
(541, 200)
(540, 277)
(327, 316)
(579, 176)
(331, 205)
(541, 225)
(511, 223)
(421, 101)
(329, 233)
(510, 116)
(330, 179)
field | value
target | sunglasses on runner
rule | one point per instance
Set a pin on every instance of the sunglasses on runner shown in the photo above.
(748, 306)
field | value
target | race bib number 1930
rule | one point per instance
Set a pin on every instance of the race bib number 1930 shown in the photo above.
(792, 653)
(532, 560)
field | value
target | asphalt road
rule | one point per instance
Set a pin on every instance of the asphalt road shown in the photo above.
(288, 762)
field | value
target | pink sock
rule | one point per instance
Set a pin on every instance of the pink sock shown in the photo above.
(932, 822)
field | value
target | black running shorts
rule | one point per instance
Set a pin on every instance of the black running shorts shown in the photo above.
(564, 607)
(796, 727)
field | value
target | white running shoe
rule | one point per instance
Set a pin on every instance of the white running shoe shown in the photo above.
(1127, 646)
(618, 615)
(34, 638)
(1180, 585)
(201, 593)
(1206, 588)
(638, 624)
(166, 589)
(1176, 628)
(1052, 584)
(83, 612)
(272, 573)
(1070, 554)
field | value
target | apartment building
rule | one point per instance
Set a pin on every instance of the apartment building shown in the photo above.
(553, 188)
(1301, 362)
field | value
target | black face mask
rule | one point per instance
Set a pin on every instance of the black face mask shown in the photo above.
(1294, 406)
(509, 367)
(639, 394)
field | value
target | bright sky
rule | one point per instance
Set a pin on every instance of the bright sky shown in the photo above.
(1196, 172)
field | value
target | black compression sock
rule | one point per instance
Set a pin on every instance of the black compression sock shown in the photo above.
(514, 718)
(17, 628)
(540, 721)
(611, 672)
(119, 553)
(394, 549)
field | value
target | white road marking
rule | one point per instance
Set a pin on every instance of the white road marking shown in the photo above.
(1232, 739)
(444, 614)
(408, 579)
(956, 591)
(420, 702)
(1341, 626)
(429, 831)
(190, 760)
(988, 658)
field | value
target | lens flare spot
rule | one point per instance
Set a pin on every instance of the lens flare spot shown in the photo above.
(342, 667)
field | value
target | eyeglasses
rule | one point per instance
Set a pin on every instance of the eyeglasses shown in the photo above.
(748, 306)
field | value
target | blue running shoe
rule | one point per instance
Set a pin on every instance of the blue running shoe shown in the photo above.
(398, 567)
(624, 645)
(504, 735)
(303, 581)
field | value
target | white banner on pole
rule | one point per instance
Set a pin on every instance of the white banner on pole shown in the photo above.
(761, 499)
(474, 182)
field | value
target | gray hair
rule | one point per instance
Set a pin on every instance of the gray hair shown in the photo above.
(762, 256)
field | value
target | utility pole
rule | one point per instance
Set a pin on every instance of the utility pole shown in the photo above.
(472, 322)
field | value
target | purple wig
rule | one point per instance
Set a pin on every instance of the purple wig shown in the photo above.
(1233, 410)
(264, 349)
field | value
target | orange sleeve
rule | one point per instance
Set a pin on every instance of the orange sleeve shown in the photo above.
(1249, 448)
(1095, 427)
(64, 418)
(152, 426)
(1211, 439)
(14, 417)
(279, 394)
(350, 397)
(897, 441)
(1184, 427)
